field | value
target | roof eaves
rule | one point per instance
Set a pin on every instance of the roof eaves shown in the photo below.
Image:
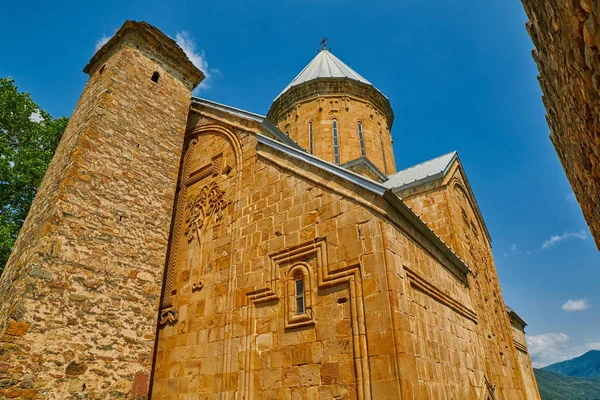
(268, 125)
(368, 163)
(376, 188)
(515, 315)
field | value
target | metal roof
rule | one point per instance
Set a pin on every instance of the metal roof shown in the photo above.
(420, 173)
(325, 65)
(261, 119)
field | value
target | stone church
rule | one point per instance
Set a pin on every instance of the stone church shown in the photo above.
(183, 249)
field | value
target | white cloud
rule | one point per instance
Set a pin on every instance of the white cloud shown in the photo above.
(101, 42)
(188, 45)
(513, 248)
(570, 197)
(554, 240)
(576, 305)
(550, 348)
(36, 116)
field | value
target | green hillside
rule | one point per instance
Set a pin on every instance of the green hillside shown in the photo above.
(560, 387)
(587, 365)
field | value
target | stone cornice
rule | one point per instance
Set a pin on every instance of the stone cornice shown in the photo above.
(155, 45)
(330, 87)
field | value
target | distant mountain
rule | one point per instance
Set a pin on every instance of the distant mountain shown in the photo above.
(560, 387)
(585, 366)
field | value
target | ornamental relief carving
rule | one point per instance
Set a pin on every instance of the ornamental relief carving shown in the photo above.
(202, 208)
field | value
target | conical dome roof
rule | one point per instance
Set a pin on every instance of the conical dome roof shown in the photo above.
(325, 65)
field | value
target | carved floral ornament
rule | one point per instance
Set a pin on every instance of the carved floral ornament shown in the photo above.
(201, 208)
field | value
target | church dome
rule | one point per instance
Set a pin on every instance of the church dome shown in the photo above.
(336, 114)
(324, 65)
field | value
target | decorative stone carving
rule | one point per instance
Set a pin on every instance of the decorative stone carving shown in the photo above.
(167, 316)
(196, 286)
(201, 208)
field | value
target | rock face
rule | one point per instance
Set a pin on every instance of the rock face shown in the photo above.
(79, 295)
(566, 35)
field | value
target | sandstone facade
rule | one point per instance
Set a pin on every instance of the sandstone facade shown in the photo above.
(566, 35)
(285, 276)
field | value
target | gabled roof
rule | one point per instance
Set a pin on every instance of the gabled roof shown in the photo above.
(420, 173)
(261, 119)
(325, 65)
(295, 151)
(364, 161)
(429, 171)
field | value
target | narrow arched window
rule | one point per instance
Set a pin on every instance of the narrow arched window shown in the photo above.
(310, 137)
(300, 303)
(382, 152)
(155, 77)
(336, 148)
(362, 140)
(298, 309)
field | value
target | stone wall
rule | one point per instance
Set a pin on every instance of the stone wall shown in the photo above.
(566, 35)
(518, 330)
(79, 295)
(387, 315)
(296, 110)
(447, 205)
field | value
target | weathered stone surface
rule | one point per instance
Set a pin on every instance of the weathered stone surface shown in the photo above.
(566, 39)
(68, 305)
(76, 368)
(16, 328)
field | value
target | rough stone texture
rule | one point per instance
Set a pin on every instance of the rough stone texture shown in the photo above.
(449, 207)
(566, 35)
(79, 295)
(320, 101)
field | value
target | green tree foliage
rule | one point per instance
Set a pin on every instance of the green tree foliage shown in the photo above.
(28, 138)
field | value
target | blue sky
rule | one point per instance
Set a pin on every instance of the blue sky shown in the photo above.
(459, 75)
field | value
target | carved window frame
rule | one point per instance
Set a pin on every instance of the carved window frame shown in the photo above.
(292, 317)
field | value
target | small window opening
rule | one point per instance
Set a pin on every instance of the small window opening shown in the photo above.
(299, 295)
(155, 77)
(336, 149)
(362, 140)
(382, 152)
(310, 137)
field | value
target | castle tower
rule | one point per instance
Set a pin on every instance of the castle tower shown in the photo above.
(339, 116)
(80, 293)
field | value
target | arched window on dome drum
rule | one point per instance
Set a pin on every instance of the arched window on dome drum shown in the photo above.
(310, 137)
(362, 140)
(336, 148)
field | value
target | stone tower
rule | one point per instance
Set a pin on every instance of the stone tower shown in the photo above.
(339, 116)
(80, 293)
